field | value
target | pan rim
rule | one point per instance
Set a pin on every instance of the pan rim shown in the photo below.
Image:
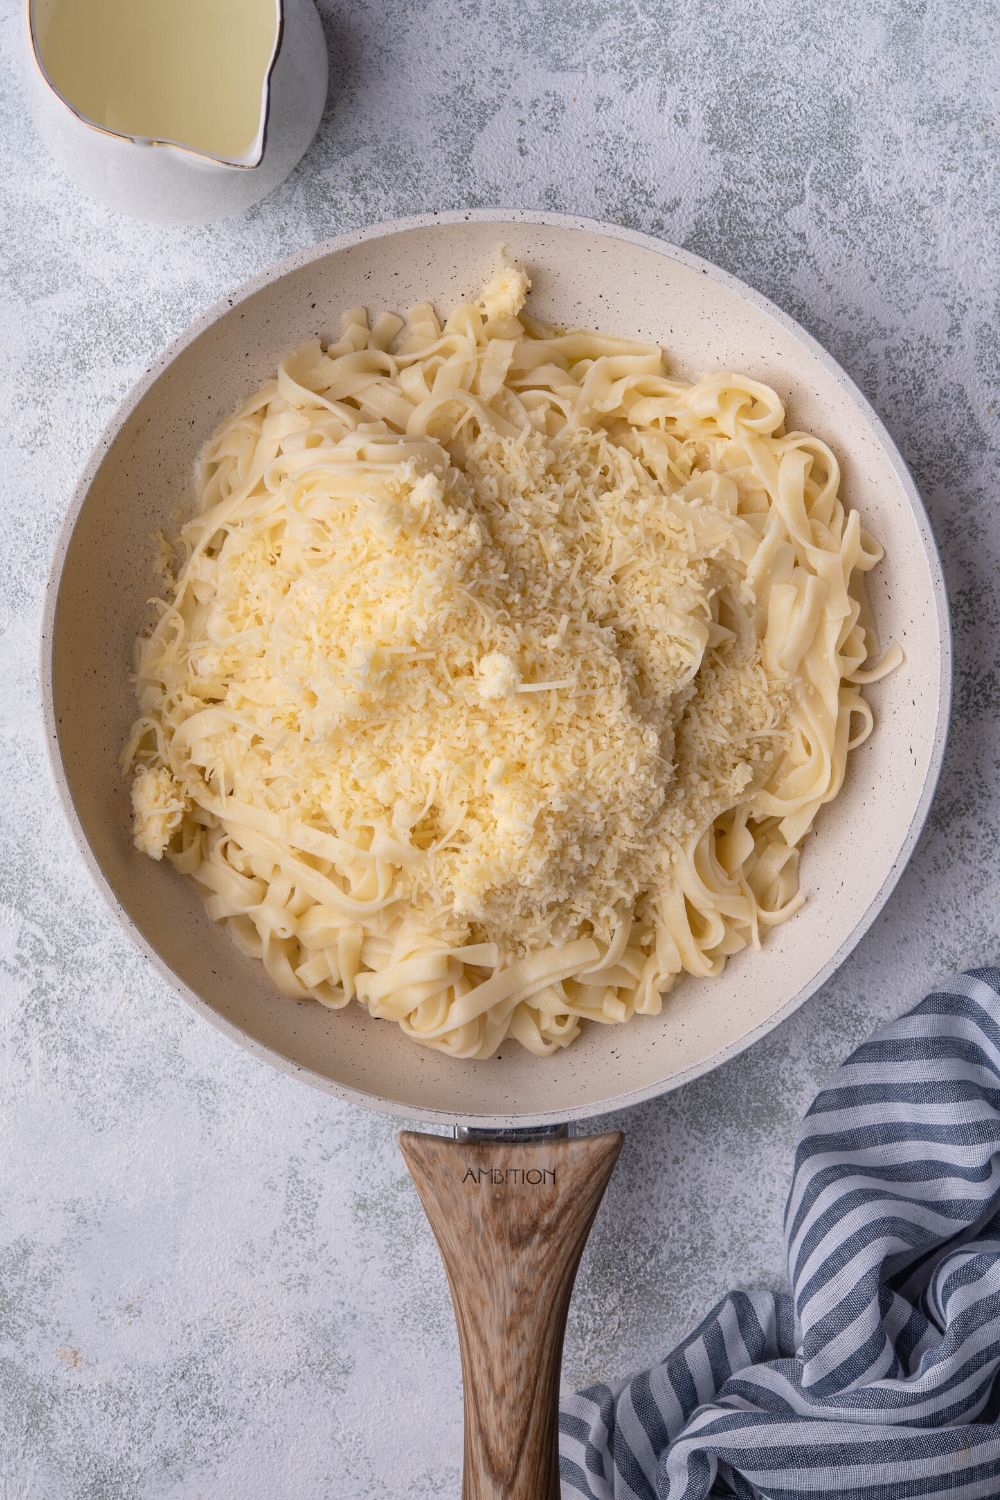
(499, 216)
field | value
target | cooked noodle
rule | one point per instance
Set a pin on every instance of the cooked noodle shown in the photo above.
(504, 674)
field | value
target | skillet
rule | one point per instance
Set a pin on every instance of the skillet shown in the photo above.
(512, 1199)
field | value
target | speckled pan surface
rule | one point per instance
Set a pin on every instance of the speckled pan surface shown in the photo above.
(582, 274)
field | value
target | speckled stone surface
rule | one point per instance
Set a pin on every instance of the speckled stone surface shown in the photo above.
(213, 1281)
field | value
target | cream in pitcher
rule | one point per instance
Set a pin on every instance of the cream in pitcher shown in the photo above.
(192, 72)
(176, 110)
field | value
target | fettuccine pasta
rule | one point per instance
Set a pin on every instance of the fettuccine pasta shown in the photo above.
(500, 675)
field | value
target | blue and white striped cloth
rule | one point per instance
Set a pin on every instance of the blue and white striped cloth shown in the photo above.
(877, 1380)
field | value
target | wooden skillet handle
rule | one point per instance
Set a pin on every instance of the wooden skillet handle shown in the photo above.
(511, 1220)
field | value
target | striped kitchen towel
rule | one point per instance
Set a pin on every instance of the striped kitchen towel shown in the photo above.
(877, 1379)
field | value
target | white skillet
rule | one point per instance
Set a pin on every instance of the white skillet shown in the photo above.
(583, 274)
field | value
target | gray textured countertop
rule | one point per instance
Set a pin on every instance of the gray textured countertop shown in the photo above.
(213, 1281)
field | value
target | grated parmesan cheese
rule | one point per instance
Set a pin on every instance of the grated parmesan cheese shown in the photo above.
(158, 805)
(371, 678)
(504, 295)
(498, 676)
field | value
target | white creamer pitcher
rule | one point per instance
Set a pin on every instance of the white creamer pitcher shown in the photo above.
(176, 111)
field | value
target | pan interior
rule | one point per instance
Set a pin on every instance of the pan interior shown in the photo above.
(580, 277)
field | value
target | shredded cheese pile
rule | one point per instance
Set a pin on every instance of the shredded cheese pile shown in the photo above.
(503, 674)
